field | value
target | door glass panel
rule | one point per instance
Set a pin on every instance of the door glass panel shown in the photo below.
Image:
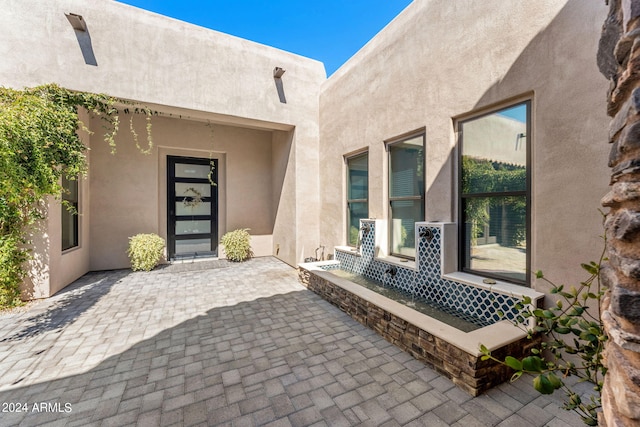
(193, 227)
(202, 208)
(192, 246)
(185, 189)
(184, 170)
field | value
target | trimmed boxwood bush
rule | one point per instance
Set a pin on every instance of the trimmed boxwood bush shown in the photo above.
(237, 245)
(145, 251)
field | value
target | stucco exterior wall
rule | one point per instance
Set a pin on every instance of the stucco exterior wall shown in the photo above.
(442, 61)
(436, 63)
(51, 269)
(128, 189)
(150, 58)
(182, 71)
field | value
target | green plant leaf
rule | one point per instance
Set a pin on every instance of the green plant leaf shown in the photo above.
(574, 399)
(516, 376)
(513, 363)
(554, 380)
(588, 336)
(591, 268)
(532, 364)
(576, 311)
(542, 384)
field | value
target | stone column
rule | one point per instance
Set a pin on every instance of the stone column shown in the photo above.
(619, 61)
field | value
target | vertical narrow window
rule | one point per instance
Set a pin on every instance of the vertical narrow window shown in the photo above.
(495, 193)
(70, 208)
(357, 195)
(406, 193)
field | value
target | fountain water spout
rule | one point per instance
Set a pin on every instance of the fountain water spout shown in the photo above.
(391, 271)
(364, 230)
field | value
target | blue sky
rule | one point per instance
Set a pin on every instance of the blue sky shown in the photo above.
(330, 31)
(518, 113)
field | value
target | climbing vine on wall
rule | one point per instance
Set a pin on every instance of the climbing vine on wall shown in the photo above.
(38, 145)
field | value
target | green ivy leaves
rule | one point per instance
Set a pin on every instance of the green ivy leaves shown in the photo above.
(39, 143)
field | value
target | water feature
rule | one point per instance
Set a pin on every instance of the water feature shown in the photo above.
(452, 317)
(422, 307)
(429, 337)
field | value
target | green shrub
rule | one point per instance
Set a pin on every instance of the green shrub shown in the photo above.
(11, 258)
(145, 251)
(574, 344)
(237, 245)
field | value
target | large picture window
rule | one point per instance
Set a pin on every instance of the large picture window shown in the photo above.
(357, 195)
(69, 213)
(495, 193)
(406, 193)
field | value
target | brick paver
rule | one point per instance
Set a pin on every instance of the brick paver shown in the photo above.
(241, 345)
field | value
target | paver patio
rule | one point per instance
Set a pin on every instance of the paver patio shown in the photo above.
(217, 343)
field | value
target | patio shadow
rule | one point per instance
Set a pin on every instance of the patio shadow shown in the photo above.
(67, 305)
(290, 357)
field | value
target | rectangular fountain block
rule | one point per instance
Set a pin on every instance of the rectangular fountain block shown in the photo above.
(439, 346)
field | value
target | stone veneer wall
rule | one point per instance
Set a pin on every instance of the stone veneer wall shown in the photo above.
(467, 371)
(619, 61)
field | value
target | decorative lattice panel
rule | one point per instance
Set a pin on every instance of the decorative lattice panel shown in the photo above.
(472, 303)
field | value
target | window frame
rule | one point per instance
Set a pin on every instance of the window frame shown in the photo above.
(390, 199)
(348, 200)
(75, 204)
(462, 250)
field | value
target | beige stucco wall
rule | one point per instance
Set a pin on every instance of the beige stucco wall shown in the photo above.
(50, 269)
(438, 61)
(128, 189)
(182, 71)
(435, 63)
